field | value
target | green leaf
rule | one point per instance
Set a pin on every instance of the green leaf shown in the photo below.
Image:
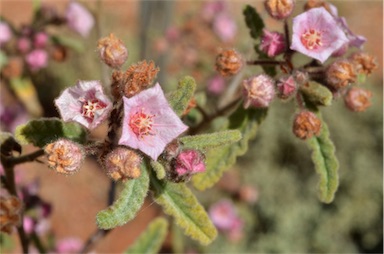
(150, 241)
(253, 21)
(46, 130)
(206, 141)
(180, 98)
(178, 201)
(317, 94)
(69, 42)
(128, 203)
(221, 159)
(326, 164)
(159, 169)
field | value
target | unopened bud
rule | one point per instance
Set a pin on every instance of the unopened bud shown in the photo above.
(272, 43)
(363, 62)
(358, 99)
(10, 212)
(316, 4)
(112, 51)
(340, 73)
(228, 62)
(59, 53)
(248, 194)
(279, 9)
(186, 164)
(306, 124)
(286, 87)
(301, 77)
(258, 91)
(64, 156)
(122, 164)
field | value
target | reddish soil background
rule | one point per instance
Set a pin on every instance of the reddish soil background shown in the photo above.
(77, 199)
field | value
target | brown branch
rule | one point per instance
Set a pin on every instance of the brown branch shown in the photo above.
(11, 161)
(265, 62)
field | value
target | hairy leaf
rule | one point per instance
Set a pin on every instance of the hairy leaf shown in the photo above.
(326, 164)
(253, 21)
(221, 159)
(46, 130)
(150, 241)
(206, 141)
(159, 169)
(317, 94)
(178, 201)
(180, 98)
(127, 204)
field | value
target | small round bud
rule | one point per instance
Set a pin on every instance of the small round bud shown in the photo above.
(10, 212)
(286, 87)
(122, 164)
(40, 40)
(279, 9)
(64, 156)
(24, 45)
(301, 77)
(258, 91)
(112, 51)
(316, 4)
(248, 194)
(186, 164)
(272, 43)
(228, 62)
(363, 62)
(358, 99)
(59, 53)
(306, 124)
(340, 73)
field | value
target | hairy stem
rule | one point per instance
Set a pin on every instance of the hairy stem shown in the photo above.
(11, 161)
(265, 62)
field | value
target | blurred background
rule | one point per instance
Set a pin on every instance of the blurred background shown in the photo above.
(273, 187)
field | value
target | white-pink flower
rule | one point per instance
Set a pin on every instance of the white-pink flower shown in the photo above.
(149, 123)
(37, 59)
(316, 34)
(79, 19)
(84, 103)
(5, 33)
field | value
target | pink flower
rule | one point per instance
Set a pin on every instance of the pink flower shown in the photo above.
(28, 224)
(353, 39)
(216, 85)
(23, 45)
(40, 40)
(189, 162)
(224, 216)
(225, 27)
(316, 34)
(69, 245)
(79, 19)
(272, 43)
(37, 59)
(149, 123)
(5, 33)
(286, 87)
(84, 103)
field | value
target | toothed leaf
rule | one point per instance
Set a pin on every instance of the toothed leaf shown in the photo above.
(180, 98)
(253, 21)
(206, 141)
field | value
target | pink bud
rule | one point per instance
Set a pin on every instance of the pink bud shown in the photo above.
(69, 245)
(272, 43)
(40, 40)
(279, 9)
(112, 51)
(358, 99)
(225, 27)
(189, 162)
(37, 59)
(5, 33)
(258, 91)
(28, 224)
(216, 85)
(79, 19)
(286, 87)
(23, 45)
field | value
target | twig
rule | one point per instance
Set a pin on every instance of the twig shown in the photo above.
(11, 161)
(265, 62)
(202, 111)
(37, 242)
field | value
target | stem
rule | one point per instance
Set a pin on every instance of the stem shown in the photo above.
(37, 242)
(265, 62)
(11, 161)
(202, 111)
(288, 52)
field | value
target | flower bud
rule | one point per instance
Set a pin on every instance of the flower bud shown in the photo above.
(363, 62)
(306, 124)
(279, 9)
(286, 87)
(10, 212)
(23, 45)
(40, 40)
(318, 3)
(37, 59)
(64, 156)
(186, 164)
(228, 62)
(340, 73)
(301, 77)
(358, 99)
(216, 85)
(112, 51)
(122, 164)
(258, 91)
(272, 43)
(59, 53)
(248, 194)
(5, 33)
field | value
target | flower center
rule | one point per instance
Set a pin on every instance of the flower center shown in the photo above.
(311, 39)
(142, 123)
(90, 107)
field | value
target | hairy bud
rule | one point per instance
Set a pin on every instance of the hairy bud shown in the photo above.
(258, 91)
(316, 4)
(279, 9)
(122, 164)
(340, 73)
(186, 164)
(363, 62)
(272, 43)
(306, 124)
(10, 212)
(358, 99)
(64, 156)
(228, 62)
(112, 51)
(286, 87)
